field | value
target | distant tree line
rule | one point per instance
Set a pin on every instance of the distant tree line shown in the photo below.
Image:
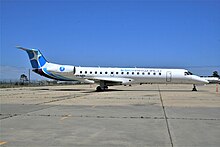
(215, 74)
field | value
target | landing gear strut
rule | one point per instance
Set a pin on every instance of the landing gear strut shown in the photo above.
(194, 88)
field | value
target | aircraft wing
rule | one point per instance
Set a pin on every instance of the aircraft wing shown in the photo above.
(112, 80)
(68, 76)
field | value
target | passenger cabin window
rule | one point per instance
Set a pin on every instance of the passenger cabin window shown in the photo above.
(90, 72)
(149, 73)
(154, 73)
(159, 73)
(132, 73)
(106, 72)
(95, 72)
(116, 72)
(122, 73)
(127, 73)
(100, 73)
(142, 73)
(85, 72)
(137, 73)
(112, 73)
(81, 72)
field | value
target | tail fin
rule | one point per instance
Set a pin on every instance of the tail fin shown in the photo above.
(36, 58)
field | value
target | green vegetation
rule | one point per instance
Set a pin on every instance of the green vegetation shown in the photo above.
(215, 74)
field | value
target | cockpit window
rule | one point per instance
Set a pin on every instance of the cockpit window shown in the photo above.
(187, 73)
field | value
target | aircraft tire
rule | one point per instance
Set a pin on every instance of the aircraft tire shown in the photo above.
(98, 89)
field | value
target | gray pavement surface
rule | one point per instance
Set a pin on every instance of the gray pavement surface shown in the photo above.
(140, 115)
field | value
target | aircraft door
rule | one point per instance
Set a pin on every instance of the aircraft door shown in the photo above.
(74, 70)
(169, 76)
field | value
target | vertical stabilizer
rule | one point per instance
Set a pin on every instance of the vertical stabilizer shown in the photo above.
(36, 58)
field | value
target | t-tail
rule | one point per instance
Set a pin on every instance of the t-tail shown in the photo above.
(36, 58)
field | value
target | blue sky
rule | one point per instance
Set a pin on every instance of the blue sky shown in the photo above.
(182, 34)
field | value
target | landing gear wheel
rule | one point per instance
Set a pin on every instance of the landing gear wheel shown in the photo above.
(99, 89)
(194, 88)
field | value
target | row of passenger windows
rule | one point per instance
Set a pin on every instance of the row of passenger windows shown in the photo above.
(138, 73)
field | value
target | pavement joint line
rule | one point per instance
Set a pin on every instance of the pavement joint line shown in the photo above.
(165, 115)
(9, 116)
(193, 99)
(100, 116)
(12, 115)
(65, 98)
(128, 98)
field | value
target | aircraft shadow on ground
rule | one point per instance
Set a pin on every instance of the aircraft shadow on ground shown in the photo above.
(115, 90)
(148, 90)
(69, 89)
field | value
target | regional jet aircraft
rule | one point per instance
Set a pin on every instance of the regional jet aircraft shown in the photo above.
(110, 76)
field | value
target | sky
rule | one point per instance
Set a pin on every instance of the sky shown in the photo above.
(112, 33)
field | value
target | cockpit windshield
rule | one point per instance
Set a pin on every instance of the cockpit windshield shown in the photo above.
(188, 73)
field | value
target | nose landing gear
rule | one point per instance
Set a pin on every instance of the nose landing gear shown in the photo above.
(194, 88)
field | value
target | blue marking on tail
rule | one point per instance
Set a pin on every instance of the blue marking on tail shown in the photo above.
(36, 58)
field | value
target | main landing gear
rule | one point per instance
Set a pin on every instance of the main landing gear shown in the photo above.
(99, 88)
(194, 88)
(102, 87)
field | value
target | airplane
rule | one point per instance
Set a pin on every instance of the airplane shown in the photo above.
(110, 76)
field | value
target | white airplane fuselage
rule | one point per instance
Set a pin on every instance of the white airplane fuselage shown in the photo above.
(123, 75)
(110, 76)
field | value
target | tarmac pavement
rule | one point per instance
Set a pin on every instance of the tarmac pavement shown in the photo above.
(140, 115)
